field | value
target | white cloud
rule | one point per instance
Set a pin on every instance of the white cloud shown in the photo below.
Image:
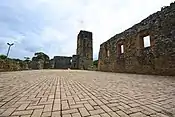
(50, 34)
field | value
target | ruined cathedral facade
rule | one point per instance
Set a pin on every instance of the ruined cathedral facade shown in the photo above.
(84, 54)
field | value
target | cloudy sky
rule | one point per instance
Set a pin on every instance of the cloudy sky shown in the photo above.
(52, 26)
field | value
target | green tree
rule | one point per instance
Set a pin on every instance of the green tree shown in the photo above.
(95, 63)
(27, 59)
(42, 56)
(3, 56)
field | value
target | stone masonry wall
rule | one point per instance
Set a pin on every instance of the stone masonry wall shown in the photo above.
(37, 64)
(62, 62)
(159, 58)
(85, 49)
(75, 62)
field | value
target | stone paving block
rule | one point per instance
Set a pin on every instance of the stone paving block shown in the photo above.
(25, 116)
(51, 96)
(76, 115)
(95, 112)
(135, 109)
(96, 107)
(81, 102)
(47, 108)
(57, 101)
(22, 107)
(83, 112)
(115, 108)
(147, 111)
(56, 107)
(92, 102)
(113, 104)
(105, 108)
(43, 99)
(8, 112)
(71, 101)
(88, 107)
(35, 107)
(95, 116)
(98, 102)
(65, 105)
(37, 113)
(77, 106)
(105, 115)
(56, 114)
(113, 114)
(139, 114)
(163, 115)
(70, 111)
(122, 114)
(67, 115)
(24, 112)
(15, 105)
(46, 114)
(2, 110)
(134, 104)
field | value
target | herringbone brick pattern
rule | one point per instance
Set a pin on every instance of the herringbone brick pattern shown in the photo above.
(68, 93)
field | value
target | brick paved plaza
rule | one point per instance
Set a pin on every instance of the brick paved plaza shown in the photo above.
(67, 93)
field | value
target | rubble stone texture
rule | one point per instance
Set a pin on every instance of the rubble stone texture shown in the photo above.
(75, 62)
(62, 62)
(159, 58)
(52, 62)
(78, 93)
(85, 49)
(37, 64)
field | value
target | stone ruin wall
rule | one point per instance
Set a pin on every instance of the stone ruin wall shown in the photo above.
(61, 62)
(85, 50)
(75, 62)
(159, 58)
(37, 64)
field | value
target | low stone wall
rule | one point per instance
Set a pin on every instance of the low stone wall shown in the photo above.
(39, 64)
(62, 62)
(10, 65)
(158, 58)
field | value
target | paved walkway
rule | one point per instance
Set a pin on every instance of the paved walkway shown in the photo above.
(66, 93)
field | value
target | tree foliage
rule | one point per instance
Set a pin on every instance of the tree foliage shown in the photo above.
(3, 56)
(95, 63)
(27, 59)
(42, 56)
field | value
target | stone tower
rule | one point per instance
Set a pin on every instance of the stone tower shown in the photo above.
(85, 49)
